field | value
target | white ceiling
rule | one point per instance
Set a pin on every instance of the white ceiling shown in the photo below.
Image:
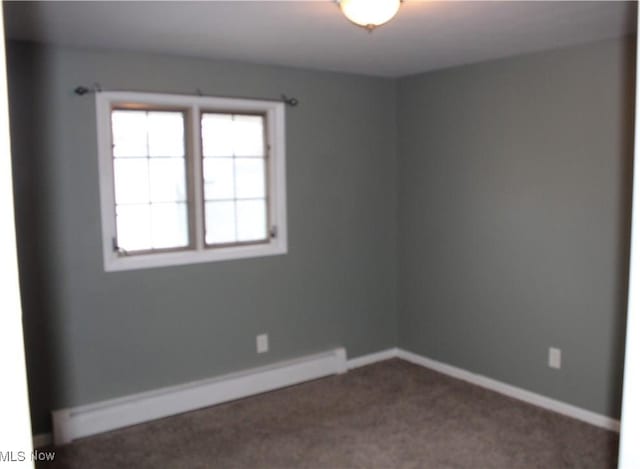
(425, 35)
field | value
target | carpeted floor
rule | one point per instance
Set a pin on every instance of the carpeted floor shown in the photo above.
(389, 415)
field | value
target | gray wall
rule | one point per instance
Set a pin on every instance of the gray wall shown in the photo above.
(92, 335)
(514, 197)
(505, 187)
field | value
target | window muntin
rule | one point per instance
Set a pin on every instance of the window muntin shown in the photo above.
(225, 167)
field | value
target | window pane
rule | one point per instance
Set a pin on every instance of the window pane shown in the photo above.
(169, 227)
(217, 135)
(166, 133)
(218, 178)
(129, 131)
(133, 224)
(131, 180)
(167, 180)
(220, 222)
(248, 135)
(252, 220)
(250, 177)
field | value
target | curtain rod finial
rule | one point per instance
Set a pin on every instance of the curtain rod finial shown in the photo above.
(293, 102)
(82, 90)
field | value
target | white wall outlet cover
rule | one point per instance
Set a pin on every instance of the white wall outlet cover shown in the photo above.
(262, 343)
(555, 357)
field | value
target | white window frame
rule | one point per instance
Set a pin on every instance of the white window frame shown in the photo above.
(194, 105)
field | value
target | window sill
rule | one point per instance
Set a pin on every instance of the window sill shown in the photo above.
(114, 263)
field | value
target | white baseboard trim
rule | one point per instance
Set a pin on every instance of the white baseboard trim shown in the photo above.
(42, 439)
(70, 424)
(73, 423)
(513, 391)
(371, 358)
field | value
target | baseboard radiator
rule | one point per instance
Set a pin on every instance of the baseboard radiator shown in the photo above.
(77, 422)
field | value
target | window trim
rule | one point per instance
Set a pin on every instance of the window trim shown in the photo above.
(193, 105)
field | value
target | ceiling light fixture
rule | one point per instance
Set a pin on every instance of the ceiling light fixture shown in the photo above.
(369, 13)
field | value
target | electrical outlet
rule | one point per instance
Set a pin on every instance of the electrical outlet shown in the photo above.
(555, 358)
(262, 343)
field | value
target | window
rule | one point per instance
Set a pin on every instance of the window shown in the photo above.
(186, 179)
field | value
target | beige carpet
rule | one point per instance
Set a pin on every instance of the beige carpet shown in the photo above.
(388, 415)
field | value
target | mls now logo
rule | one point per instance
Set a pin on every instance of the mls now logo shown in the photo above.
(20, 456)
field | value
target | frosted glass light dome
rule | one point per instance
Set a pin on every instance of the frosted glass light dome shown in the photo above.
(369, 13)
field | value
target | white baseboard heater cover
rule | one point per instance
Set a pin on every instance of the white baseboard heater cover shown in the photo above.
(77, 422)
